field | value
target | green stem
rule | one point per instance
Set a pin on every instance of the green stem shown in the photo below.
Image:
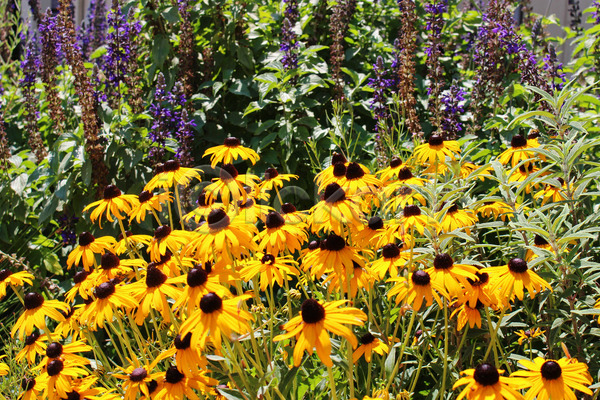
(407, 337)
(332, 383)
(445, 349)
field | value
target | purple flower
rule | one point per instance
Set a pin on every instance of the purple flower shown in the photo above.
(554, 69)
(66, 228)
(92, 32)
(453, 101)
(289, 44)
(381, 86)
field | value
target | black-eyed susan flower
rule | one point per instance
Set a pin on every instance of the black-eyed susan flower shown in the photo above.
(88, 247)
(108, 297)
(230, 185)
(485, 382)
(151, 292)
(66, 353)
(113, 204)
(278, 236)
(518, 151)
(405, 177)
(335, 211)
(31, 388)
(528, 335)
(124, 242)
(111, 267)
(465, 313)
(380, 394)
(9, 278)
(167, 239)
(215, 317)
(366, 235)
(57, 378)
(332, 254)
(553, 379)
(269, 268)
(390, 173)
(70, 326)
(83, 285)
(495, 209)
(188, 358)
(172, 174)
(86, 388)
(327, 176)
(553, 193)
(148, 202)
(311, 328)
(435, 151)
(205, 205)
(369, 344)
(455, 218)
(176, 385)
(468, 168)
(416, 289)
(454, 277)
(539, 242)
(392, 261)
(401, 197)
(358, 180)
(480, 291)
(514, 278)
(34, 345)
(291, 215)
(4, 368)
(251, 211)
(274, 180)
(412, 218)
(137, 378)
(199, 282)
(362, 277)
(229, 151)
(36, 310)
(222, 236)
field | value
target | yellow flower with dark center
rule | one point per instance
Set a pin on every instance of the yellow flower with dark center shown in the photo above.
(112, 267)
(487, 383)
(84, 283)
(554, 379)
(113, 204)
(277, 237)
(467, 170)
(129, 240)
(172, 266)
(172, 173)
(250, 211)
(36, 311)
(70, 326)
(368, 345)
(528, 335)
(274, 180)
(31, 389)
(392, 261)
(151, 293)
(335, 211)
(229, 151)
(9, 278)
(147, 202)
(480, 291)
(108, 297)
(88, 247)
(215, 317)
(291, 215)
(454, 277)
(412, 218)
(401, 197)
(495, 209)
(522, 173)
(435, 151)
(417, 289)
(552, 193)
(311, 328)
(394, 232)
(205, 206)
(222, 237)
(405, 178)
(518, 151)
(359, 181)
(454, 219)
(513, 279)
(138, 379)
(362, 277)
(83, 389)
(366, 235)
(34, 345)
(465, 313)
(333, 173)
(332, 254)
(230, 185)
(175, 385)
(169, 239)
(57, 378)
(539, 242)
(390, 173)
(199, 281)
(270, 268)
(66, 353)
(188, 358)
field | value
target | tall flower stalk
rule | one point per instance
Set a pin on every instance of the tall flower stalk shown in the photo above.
(31, 65)
(434, 51)
(289, 44)
(187, 55)
(51, 51)
(342, 13)
(94, 28)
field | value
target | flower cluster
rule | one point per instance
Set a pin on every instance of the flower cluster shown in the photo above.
(289, 44)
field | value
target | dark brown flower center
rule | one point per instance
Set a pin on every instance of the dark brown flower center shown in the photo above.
(182, 344)
(268, 259)
(86, 238)
(31, 339)
(334, 242)
(312, 311)
(155, 277)
(162, 232)
(354, 171)
(482, 278)
(375, 223)
(551, 370)
(246, 204)
(337, 157)
(435, 140)
(339, 170)
(231, 142)
(33, 300)
(395, 162)
(486, 375)
(138, 374)
(173, 375)
(288, 208)
(54, 350)
(164, 258)
(54, 367)
(443, 261)
(210, 303)
(390, 250)
(404, 174)
(127, 233)
(539, 241)
(172, 165)
(152, 385)
(203, 200)
(196, 277)
(5, 273)
(271, 173)
(274, 220)
(109, 261)
(526, 168)
(367, 338)
(104, 290)
(334, 193)
(27, 384)
(420, 278)
(517, 265)
(518, 141)
(218, 219)
(452, 209)
(144, 196)
(411, 210)
(228, 172)
(73, 395)
(111, 191)
(314, 244)
(159, 168)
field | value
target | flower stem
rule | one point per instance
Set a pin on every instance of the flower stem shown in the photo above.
(445, 349)
(332, 383)
(407, 337)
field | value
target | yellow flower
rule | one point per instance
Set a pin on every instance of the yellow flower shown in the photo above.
(551, 193)
(368, 345)
(335, 211)
(205, 206)
(114, 203)
(57, 378)
(34, 345)
(176, 385)
(270, 269)
(167, 239)
(36, 310)
(517, 152)
(487, 383)
(454, 218)
(274, 180)
(454, 277)
(553, 379)
(390, 173)
(329, 255)
(137, 378)
(413, 219)
(230, 185)
(529, 334)
(435, 151)
(362, 277)
(392, 261)
(147, 202)
(250, 211)
(108, 296)
(4, 368)
(496, 209)
(315, 320)
(418, 288)
(199, 281)
(88, 247)
(358, 181)
(513, 279)
(465, 313)
(9, 278)
(172, 173)
(151, 292)
(229, 151)
(278, 237)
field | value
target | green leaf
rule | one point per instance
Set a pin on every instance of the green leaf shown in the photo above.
(19, 183)
(245, 57)
(231, 394)
(99, 52)
(48, 211)
(171, 14)
(160, 49)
